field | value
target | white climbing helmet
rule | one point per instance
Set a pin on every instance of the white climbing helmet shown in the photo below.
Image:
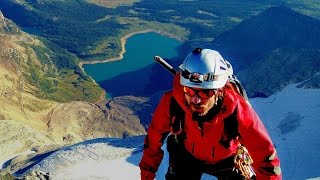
(204, 68)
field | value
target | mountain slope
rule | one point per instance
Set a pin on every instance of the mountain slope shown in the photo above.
(290, 116)
(49, 71)
(278, 69)
(77, 121)
(33, 85)
(18, 96)
(267, 48)
(31, 80)
(276, 27)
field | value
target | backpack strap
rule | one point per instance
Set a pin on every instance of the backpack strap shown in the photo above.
(230, 129)
(177, 116)
(236, 84)
(238, 87)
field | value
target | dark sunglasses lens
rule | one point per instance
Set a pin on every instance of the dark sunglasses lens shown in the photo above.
(190, 92)
(206, 93)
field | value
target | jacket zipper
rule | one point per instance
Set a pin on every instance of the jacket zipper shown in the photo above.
(200, 125)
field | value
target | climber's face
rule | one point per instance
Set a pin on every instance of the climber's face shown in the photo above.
(200, 101)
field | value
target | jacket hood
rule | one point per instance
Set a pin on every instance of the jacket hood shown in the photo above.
(178, 93)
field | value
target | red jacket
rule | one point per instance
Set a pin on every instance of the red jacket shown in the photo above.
(253, 135)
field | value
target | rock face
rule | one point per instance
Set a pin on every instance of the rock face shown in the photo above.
(280, 68)
(17, 97)
(69, 123)
(30, 122)
(37, 175)
(21, 113)
(131, 110)
(72, 121)
(77, 121)
(17, 138)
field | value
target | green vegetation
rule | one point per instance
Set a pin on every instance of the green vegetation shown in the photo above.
(72, 25)
(308, 7)
(68, 85)
(38, 79)
(113, 3)
(58, 76)
(204, 19)
(92, 32)
(75, 30)
(73, 86)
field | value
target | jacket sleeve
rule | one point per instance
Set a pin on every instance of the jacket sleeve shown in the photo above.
(157, 132)
(256, 139)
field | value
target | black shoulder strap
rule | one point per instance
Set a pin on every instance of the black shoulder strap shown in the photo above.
(177, 116)
(230, 128)
(239, 87)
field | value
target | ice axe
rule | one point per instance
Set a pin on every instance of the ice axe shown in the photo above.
(165, 64)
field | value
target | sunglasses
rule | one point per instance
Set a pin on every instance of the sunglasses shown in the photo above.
(203, 93)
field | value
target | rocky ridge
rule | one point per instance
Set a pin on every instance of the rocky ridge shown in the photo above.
(30, 123)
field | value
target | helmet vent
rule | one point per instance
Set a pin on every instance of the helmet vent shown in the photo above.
(197, 51)
(222, 68)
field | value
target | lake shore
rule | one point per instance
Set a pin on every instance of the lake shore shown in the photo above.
(123, 41)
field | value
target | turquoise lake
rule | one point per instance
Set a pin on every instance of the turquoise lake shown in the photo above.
(140, 51)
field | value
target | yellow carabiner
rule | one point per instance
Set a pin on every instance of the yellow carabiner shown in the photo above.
(242, 161)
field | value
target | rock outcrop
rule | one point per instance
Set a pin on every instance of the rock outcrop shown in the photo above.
(31, 122)
(17, 138)
(77, 121)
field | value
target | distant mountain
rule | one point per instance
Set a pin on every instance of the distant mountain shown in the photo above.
(279, 68)
(272, 49)
(276, 27)
(268, 51)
